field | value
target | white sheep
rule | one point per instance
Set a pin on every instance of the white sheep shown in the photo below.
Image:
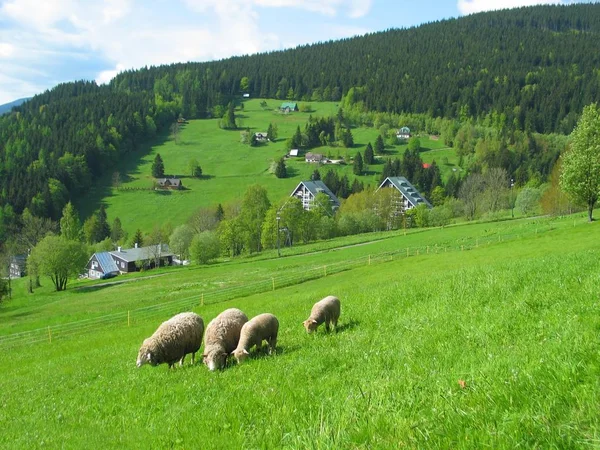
(172, 340)
(222, 336)
(263, 327)
(326, 310)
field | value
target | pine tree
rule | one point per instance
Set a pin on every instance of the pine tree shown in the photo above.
(358, 164)
(220, 213)
(280, 170)
(379, 145)
(137, 239)
(158, 167)
(369, 156)
(116, 233)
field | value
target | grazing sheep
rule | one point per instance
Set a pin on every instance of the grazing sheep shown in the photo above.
(172, 340)
(326, 310)
(222, 336)
(263, 327)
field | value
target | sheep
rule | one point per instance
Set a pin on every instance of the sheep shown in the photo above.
(263, 327)
(172, 340)
(326, 310)
(221, 337)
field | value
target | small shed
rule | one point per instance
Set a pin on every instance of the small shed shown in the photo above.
(169, 183)
(293, 152)
(261, 136)
(288, 107)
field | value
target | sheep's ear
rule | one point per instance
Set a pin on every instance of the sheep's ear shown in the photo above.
(313, 321)
(149, 356)
(224, 354)
(246, 352)
(204, 355)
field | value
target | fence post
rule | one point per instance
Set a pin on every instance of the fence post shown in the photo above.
(462, 248)
(325, 270)
(49, 335)
(273, 279)
(407, 252)
(369, 259)
(128, 318)
(428, 249)
(202, 300)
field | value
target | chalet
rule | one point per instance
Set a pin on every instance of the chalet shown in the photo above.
(293, 152)
(18, 265)
(102, 265)
(410, 197)
(261, 136)
(109, 264)
(314, 158)
(169, 183)
(288, 107)
(403, 133)
(307, 191)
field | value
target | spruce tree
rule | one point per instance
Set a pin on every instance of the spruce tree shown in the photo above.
(358, 164)
(280, 170)
(137, 239)
(369, 156)
(158, 167)
(316, 175)
(379, 145)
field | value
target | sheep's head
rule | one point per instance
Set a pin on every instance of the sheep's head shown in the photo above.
(145, 356)
(215, 360)
(310, 325)
(240, 355)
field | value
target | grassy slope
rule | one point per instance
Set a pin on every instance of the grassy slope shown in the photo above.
(229, 167)
(517, 321)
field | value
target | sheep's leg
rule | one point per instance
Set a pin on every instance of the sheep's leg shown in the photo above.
(327, 325)
(193, 358)
(181, 361)
(272, 344)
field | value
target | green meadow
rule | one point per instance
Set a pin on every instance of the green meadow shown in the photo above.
(485, 335)
(228, 166)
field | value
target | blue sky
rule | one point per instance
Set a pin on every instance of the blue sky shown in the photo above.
(46, 42)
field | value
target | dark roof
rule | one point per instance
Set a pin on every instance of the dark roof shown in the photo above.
(315, 187)
(406, 189)
(141, 253)
(107, 263)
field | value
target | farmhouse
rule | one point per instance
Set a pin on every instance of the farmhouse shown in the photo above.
(307, 191)
(261, 136)
(288, 107)
(314, 158)
(293, 152)
(107, 264)
(169, 183)
(403, 133)
(18, 264)
(411, 198)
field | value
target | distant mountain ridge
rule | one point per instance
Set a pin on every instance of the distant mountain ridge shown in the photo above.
(8, 106)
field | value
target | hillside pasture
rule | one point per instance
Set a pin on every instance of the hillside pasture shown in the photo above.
(228, 166)
(496, 346)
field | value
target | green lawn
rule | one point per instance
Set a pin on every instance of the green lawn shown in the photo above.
(229, 167)
(493, 346)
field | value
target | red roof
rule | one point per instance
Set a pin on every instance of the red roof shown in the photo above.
(426, 165)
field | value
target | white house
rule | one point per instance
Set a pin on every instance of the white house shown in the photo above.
(410, 197)
(307, 191)
(403, 133)
(293, 152)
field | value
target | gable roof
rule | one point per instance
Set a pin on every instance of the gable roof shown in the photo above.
(316, 187)
(291, 105)
(406, 189)
(107, 263)
(142, 253)
(169, 181)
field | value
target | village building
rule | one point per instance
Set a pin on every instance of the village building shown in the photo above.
(261, 136)
(109, 264)
(293, 152)
(287, 107)
(169, 183)
(315, 158)
(307, 191)
(18, 266)
(409, 196)
(403, 134)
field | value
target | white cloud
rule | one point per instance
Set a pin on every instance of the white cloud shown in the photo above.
(475, 6)
(6, 50)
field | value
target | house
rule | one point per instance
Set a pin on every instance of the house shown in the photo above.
(307, 191)
(426, 165)
(403, 133)
(102, 265)
(108, 264)
(314, 158)
(261, 136)
(18, 265)
(410, 197)
(246, 95)
(293, 152)
(169, 183)
(288, 107)
(129, 260)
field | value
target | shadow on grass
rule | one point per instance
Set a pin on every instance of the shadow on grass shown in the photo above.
(346, 326)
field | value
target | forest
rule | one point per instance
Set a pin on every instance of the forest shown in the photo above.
(511, 75)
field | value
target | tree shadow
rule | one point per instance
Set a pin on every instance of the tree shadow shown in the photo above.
(291, 172)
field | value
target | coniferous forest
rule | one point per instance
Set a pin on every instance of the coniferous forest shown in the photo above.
(527, 70)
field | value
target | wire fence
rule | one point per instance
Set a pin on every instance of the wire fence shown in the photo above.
(52, 333)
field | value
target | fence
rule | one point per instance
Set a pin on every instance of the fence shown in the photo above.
(162, 310)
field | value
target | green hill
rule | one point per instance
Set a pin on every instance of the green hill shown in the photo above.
(488, 337)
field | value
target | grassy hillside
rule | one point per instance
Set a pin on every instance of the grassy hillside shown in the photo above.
(229, 167)
(496, 345)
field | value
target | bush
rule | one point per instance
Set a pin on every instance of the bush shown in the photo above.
(205, 247)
